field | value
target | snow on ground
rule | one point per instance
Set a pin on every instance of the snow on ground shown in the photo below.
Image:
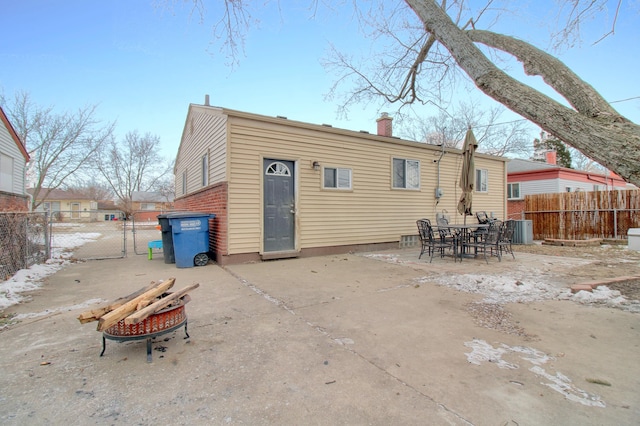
(482, 351)
(507, 288)
(31, 278)
(521, 284)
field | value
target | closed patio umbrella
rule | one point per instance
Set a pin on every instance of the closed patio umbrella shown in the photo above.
(467, 175)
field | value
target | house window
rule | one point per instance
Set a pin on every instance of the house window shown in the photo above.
(567, 189)
(147, 206)
(184, 182)
(6, 173)
(597, 187)
(205, 170)
(482, 177)
(513, 191)
(337, 178)
(406, 173)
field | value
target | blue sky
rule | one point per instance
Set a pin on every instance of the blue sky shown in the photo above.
(144, 64)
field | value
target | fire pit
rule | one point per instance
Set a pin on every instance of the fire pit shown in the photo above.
(164, 321)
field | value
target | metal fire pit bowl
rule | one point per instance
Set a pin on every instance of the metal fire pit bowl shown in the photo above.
(162, 322)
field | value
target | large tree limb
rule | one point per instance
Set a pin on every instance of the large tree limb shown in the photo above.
(581, 95)
(610, 140)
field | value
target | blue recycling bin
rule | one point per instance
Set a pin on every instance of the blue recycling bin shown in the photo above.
(190, 232)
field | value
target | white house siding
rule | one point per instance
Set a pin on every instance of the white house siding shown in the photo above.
(9, 149)
(204, 133)
(550, 186)
(371, 212)
(545, 186)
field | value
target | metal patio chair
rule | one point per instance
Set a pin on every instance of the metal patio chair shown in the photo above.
(506, 237)
(446, 235)
(431, 243)
(488, 243)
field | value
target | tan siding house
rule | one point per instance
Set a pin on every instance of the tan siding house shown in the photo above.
(281, 188)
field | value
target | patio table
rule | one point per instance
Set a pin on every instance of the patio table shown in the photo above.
(462, 233)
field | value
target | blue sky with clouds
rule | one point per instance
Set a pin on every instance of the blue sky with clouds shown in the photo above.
(143, 64)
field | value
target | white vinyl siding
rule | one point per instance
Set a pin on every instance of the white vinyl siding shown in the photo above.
(13, 164)
(6, 173)
(551, 186)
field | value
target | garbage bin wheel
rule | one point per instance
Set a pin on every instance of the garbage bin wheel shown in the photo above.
(201, 259)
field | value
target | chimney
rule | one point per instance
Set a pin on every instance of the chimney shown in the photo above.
(551, 157)
(384, 125)
(206, 100)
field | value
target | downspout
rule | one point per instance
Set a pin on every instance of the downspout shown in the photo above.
(438, 191)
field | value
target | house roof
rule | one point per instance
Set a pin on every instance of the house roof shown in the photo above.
(326, 128)
(150, 197)
(518, 169)
(518, 165)
(57, 194)
(14, 135)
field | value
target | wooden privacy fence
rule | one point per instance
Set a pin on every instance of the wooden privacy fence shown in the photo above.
(583, 215)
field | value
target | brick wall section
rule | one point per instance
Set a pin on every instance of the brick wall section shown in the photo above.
(515, 209)
(212, 199)
(13, 203)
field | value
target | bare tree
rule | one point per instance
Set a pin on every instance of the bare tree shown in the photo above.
(425, 46)
(494, 137)
(91, 190)
(59, 144)
(582, 162)
(132, 165)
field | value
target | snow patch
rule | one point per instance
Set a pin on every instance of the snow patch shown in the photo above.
(482, 351)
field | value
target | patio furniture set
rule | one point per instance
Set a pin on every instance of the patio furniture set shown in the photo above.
(488, 236)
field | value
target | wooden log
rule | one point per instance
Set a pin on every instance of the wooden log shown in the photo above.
(123, 311)
(95, 314)
(142, 314)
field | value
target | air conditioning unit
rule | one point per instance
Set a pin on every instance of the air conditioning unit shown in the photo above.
(523, 232)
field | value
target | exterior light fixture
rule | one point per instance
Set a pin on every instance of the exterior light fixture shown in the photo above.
(316, 166)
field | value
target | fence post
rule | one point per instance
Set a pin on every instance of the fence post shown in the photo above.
(615, 223)
(47, 235)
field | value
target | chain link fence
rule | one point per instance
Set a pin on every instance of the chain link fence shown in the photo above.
(87, 235)
(30, 238)
(144, 226)
(24, 241)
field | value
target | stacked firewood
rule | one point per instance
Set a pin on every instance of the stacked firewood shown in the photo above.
(137, 306)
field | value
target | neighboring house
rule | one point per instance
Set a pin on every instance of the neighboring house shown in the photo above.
(68, 205)
(526, 177)
(13, 166)
(147, 205)
(281, 188)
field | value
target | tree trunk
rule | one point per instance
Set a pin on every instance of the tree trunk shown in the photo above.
(594, 129)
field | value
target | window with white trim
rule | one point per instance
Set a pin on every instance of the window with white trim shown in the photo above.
(482, 180)
(513, 191)
(147, 206)
(205, 170)
(6, 173)
(406, 173)
(337, 178)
